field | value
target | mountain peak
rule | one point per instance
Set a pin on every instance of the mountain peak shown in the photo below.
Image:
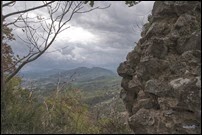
(98, 68)
(82, 68)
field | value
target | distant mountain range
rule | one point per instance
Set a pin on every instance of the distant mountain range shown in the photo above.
(88, 79)
(39, 74)
(81, 71)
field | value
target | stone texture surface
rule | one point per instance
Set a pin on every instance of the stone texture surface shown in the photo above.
(162, 75)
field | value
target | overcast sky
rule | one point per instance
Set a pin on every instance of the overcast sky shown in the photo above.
(100, 38)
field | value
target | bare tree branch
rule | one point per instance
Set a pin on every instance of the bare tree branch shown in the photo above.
(39, 43)
(27, 10)
(94, 9)
(8, 4)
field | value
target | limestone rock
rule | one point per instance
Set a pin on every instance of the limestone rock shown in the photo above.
(162, 75)
(124, 69)
(160, 89)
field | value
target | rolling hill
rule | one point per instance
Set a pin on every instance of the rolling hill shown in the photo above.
(86, 79)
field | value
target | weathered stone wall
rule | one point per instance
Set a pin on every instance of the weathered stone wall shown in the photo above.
(162, 75)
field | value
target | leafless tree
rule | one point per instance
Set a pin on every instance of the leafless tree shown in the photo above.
(41, 32)
(62, 84)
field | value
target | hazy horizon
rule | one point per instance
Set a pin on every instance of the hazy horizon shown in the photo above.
(65, 69)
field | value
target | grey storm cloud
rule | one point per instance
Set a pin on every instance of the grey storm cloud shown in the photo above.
(115, 30)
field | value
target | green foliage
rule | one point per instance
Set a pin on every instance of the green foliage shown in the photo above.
(60, 112)
(19, 113)
(8, 58)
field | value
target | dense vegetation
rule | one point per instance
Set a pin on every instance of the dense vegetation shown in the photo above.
(61, 112)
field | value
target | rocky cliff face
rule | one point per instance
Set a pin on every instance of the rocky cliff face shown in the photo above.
(162, 75)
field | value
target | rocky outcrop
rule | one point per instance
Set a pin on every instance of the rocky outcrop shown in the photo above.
(162, 75)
